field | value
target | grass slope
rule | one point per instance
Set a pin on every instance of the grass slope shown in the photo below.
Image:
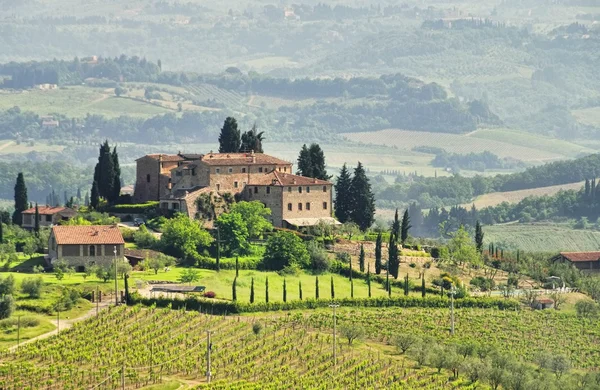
(542, 237)
(495, 198)
(463, 144)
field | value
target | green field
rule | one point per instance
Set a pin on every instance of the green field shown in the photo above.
(589, 116)
(542, 237)
(77, 101)
(529, 148)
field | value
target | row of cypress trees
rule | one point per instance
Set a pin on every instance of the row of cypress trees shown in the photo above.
(354, 199)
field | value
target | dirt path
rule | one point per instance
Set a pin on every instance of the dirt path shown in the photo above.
(6, 145)
(66, 324)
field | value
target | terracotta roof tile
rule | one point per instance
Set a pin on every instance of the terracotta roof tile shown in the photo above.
(219, 159)
(581, 256)
(165, 157)
(50, 210)
(76, 235)
(276, 178)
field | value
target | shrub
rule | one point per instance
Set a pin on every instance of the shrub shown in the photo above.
(7, 306)
(209, 294)
(283, 249)
(319, 260)
(290, 270)
(413, 265)
(25, 322)
(32, 286)
(141, 208)
(343, 257)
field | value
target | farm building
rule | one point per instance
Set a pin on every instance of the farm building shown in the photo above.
(48, 216)
(543, 303)
(581, 260)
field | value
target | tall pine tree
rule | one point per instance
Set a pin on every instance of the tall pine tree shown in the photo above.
(393, 258)
(361, 258)
(343, 199)
(405, 227)
(317, 161)
(95, 199)
(305, 167)
(252, 141)
(363, 202)
(396, 225)
(104, 173)
(21, 202)
(36, 225)
(378, 244)
(229, 139)
(479, 237)
(116, 189)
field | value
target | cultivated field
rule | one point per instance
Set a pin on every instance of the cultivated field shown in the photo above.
(77, 102)
(542, 238)
(589, 116)
(404, 139)
(496, 198)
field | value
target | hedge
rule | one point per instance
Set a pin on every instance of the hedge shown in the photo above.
(220, 307)
(140, 208)
(245, 263)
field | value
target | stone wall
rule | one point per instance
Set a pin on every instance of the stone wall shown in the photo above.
(316, 197)
(272, 199)
(151, 181)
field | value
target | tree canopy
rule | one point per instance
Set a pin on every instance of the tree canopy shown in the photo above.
(285, 249)
(229, 139)
(183, 237)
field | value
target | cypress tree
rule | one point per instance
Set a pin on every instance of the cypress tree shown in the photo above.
(116, 188)
(396, 225)
(405, 227)
(378, 244)
(369, 279)
(351, 288)
(21, 201)
(1, 232)
(423, 291)
(317, 162)
(284, 290)
(36, 225)
(267, 289)
(234, 290)
(126, 282)
(479, 237)
(104, 173)
(86, 201)
(305, 167)
(343, 199)
(237, 267)
(362, 199)
(406, 285)
(316, 287)
(332, 289)
(95, 200)
(389, 289)
(252, 291)
(387, 278)
(229, 139)
(361, 258)
(78, 195)
(393, 259)
(300, 289)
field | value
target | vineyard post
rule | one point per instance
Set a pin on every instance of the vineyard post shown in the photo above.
(123, 376)
(97, 299)
(116, 281)
(208, 348)
(334, 335)
(57, 319)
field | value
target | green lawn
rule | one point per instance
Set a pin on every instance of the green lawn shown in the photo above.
(221, 283)
(9, 335)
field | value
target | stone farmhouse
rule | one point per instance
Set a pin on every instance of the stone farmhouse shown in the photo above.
(48, 216)
(581, 260)
(178, 181)
(82, 246)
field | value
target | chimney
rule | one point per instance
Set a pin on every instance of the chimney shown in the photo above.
(314, 180)
(294, 181)
(253, 159)
(252, 152)
(170, 185)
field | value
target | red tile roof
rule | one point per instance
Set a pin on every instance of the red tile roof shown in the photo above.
(219, 159)
(164, 157)
(544, 300)
(581, 256)
(276, 178)
(49, 210)
(87, 235)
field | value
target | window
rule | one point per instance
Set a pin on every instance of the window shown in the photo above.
(177, 173)
(256, 190)
(92, 250)
(307, 189)
(300, 190)
(308, 206)
(324, 188)
(289, 207)
(324, 205)
(235, 184)
(243, 170)
(299, 206)
(48, 218)
(230, 170)
(289, 189)
(285, 169)
(260, 169)
(193, 171)
(217, 170)
(148, 178)
(175, 206)
(250, 192)
(268, 190)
